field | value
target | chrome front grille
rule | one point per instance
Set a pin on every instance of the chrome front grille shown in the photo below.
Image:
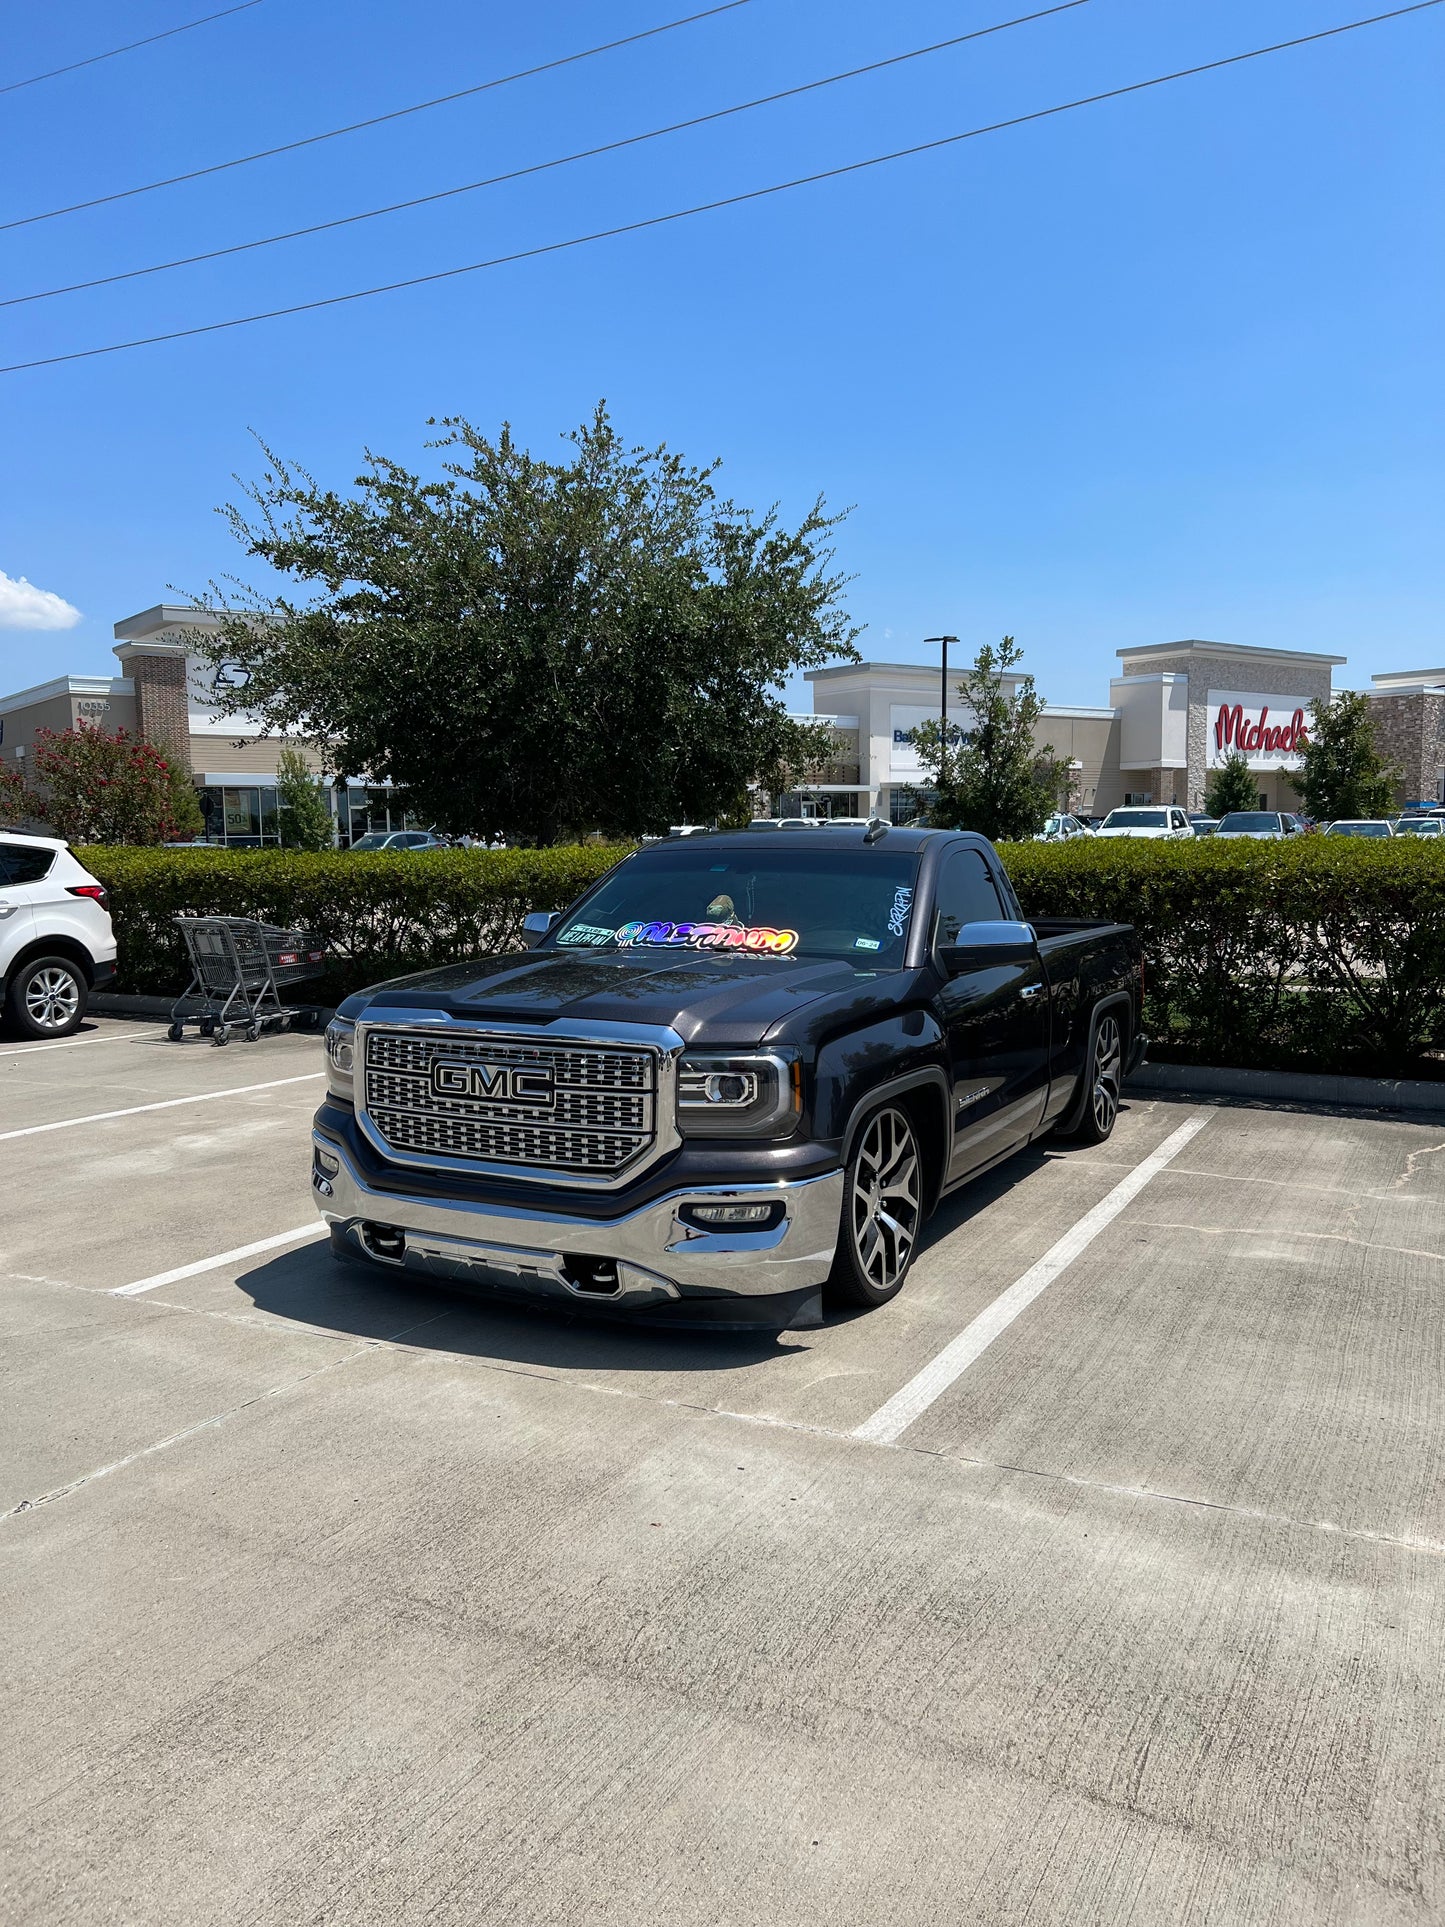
(579, 1110)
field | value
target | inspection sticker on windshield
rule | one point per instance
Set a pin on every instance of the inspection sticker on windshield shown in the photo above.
(866, 943)
(898, 915)
(585, 933)
(761, 939)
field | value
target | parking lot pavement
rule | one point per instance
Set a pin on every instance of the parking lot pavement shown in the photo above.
(332, 1599)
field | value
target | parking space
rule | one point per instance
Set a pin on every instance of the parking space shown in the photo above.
(335, 1599)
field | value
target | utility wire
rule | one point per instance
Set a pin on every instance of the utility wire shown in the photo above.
(543, 167)
(730, 200)
(129, 47)
(356, 126)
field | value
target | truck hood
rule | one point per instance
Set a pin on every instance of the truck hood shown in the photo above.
(707, 999)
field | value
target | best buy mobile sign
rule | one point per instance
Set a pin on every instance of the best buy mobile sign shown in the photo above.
(1268, 731)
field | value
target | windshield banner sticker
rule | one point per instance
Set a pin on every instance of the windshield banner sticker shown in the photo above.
(761, 939)
(898, 915)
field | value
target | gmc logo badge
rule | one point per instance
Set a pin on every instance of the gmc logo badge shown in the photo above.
(515, 1082)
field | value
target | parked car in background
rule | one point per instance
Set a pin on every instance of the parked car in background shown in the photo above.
(1204, 825)
(393, 840)
(1061, 829)
(1420, 826)
(56, 940)
(1260, 823)
(1361, 826)
(1140, 822)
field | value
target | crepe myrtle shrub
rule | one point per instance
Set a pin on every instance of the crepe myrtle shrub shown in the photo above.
(379, 916)
(534, 648)
(17, 806)
(94, 787)
(1323, 954)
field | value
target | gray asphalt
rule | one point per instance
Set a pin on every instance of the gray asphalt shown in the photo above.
(328, 1600)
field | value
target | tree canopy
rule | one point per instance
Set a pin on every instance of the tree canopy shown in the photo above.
(991, 775)
(535, 647)
(1342, 773)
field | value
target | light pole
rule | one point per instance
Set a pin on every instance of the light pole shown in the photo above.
(942, 707)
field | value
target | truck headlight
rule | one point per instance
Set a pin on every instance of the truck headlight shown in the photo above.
(738, 1094)
(340, 1052)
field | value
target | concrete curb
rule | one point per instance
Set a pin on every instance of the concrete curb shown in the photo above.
(112, 1003)
(1294, 1087)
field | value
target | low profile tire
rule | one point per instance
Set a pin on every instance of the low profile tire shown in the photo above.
(882, 1211)
(46, 998)
(1106, 1076)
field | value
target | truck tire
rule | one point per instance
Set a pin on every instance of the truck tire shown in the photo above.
(882, 1211)
(1105, 1073)
(46, 997)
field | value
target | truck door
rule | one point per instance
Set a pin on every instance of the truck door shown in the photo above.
(994, 1000)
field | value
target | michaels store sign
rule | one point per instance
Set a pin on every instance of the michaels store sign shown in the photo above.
(1269, 731)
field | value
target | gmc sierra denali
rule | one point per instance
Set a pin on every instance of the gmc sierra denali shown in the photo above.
(730, 1082)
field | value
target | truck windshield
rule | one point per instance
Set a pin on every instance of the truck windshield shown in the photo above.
(851, 905)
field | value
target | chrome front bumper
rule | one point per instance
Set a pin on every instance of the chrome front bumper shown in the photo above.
(659, 1258)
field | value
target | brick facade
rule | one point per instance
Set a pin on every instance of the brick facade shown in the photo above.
(1410, 733)
(161, 709)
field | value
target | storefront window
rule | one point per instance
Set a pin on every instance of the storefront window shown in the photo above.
(242, 816)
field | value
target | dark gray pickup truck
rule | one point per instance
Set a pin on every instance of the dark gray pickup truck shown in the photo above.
(730, 1082)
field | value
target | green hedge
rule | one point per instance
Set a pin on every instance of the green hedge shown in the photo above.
(379, 915)
(1321, 953)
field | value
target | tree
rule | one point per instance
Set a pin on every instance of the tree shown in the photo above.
(185, 806)
(305, 816)
(97, 788)
(1342, 773)
(535, 647)
(1233, 786)
(992, 776)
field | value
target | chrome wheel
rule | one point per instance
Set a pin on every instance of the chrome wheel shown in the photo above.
(1108, 1074)
(884, 1202)
(52, 997)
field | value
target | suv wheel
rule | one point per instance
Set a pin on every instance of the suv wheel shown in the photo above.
(46, 998)
(882, 1211)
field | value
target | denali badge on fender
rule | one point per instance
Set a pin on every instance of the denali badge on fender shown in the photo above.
(507, 1081)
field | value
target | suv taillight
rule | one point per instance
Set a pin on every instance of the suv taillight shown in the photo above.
(93, 890)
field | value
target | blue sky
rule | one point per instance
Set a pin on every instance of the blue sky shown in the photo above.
(1168, 366)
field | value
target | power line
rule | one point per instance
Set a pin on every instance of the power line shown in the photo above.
(376, 120)
(730, 200)
(129, 47)
(543, 167)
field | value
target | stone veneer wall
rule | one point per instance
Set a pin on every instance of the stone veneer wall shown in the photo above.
(160, 702)
(1302, 680)
(1410, 733)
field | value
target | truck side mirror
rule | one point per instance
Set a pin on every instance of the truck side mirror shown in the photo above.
(536, 925)
(985, 946)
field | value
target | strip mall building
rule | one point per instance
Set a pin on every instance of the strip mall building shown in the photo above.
(1175, 711)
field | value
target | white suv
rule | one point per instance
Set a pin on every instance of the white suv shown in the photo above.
(56, 940)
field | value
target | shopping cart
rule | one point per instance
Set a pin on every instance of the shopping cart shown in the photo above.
(237, 968)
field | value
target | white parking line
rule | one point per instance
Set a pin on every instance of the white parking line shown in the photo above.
(313, 1230)
(165, 1104)
(74, 1043)
(890, 1421)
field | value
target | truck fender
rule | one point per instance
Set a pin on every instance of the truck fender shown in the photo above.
(927, 1078)
(1110, 1000)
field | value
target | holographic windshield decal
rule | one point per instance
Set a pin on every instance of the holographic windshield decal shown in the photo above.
(760, 939)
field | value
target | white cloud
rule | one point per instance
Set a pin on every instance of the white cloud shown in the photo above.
(23, 606)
